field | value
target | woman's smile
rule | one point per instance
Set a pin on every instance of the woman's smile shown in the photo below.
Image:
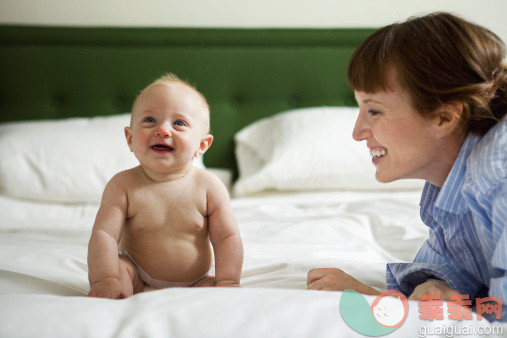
(377, 154)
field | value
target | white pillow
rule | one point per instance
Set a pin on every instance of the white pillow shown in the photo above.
(68, 160)
(307, 149)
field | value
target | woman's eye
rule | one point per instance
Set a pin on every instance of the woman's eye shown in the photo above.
(179, 123)
(373, 112)
(149, 120)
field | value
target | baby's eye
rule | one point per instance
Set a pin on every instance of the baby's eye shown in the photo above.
(179, 123)
(149, 119)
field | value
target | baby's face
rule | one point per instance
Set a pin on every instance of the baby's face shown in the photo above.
(168, 127)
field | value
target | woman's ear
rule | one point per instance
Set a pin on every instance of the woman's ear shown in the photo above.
(204, 145)
(448, 118)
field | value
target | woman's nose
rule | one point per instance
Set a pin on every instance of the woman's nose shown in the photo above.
(360, 131)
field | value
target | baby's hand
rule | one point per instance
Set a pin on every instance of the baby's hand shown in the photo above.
(109, 288)
(227, 283)
(205, 282)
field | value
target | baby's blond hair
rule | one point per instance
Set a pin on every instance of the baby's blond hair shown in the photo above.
(172, 78)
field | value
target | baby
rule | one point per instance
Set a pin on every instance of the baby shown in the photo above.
(156, 221)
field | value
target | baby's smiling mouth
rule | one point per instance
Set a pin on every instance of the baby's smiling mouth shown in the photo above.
(162, 148)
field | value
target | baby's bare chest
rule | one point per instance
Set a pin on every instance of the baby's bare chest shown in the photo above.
(166, 210)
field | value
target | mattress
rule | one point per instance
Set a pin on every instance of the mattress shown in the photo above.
(43, 271)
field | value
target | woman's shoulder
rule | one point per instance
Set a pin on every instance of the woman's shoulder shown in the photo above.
(488, 159)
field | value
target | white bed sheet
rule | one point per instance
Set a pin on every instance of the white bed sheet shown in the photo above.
(43, 272)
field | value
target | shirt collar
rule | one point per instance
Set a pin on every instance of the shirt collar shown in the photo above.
(449, 199)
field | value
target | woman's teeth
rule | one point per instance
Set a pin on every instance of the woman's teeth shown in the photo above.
(377, 153)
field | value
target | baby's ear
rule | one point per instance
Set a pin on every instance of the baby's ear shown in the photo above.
(128, 136)
(204, 145)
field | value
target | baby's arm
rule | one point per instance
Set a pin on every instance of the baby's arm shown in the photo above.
(103, 261)
(224, 235)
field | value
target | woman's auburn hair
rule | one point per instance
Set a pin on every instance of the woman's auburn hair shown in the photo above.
(439, 58)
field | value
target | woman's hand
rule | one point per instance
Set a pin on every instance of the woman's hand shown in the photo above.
(433, 287)
(333, 279)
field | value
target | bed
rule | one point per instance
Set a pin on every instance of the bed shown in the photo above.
(303, 192)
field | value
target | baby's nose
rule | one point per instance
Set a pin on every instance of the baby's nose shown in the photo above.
(163, 131)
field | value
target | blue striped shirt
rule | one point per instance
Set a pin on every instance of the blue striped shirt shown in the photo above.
(467, 217)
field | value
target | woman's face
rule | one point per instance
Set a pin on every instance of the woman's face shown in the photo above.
(402, 142)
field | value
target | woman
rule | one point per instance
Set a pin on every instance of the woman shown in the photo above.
(432, 93)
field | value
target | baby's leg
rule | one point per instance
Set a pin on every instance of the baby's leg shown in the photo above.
(129, 278)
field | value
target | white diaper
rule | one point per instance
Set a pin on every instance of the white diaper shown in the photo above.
(156, 283)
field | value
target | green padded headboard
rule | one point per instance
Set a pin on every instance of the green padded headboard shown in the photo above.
(246, 74)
